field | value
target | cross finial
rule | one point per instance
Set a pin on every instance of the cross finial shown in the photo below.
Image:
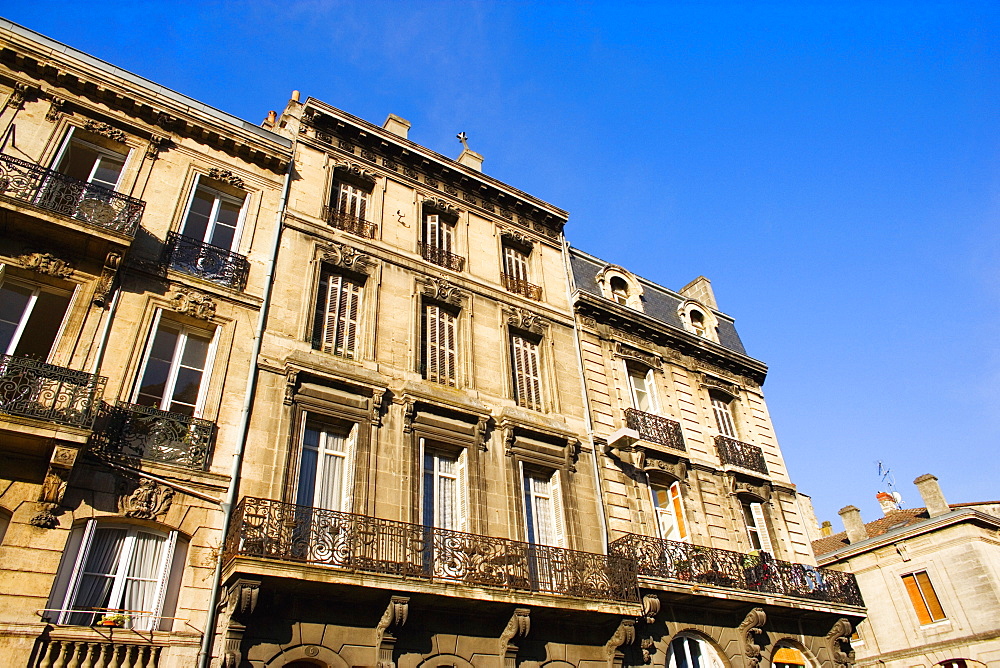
(462, 137)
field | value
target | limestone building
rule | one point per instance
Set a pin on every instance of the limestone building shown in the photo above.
(931, 577)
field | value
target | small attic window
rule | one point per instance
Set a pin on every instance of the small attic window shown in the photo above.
(620, 286)
(619, 290)
(698, 322)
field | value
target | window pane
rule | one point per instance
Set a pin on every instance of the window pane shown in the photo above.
(143, 578)
(186, 387)
(196, 224)
(154, 380)
(195, 351)
(107, 171)
(14, 300)
(43, 325)
(78, 161)
(98, 576)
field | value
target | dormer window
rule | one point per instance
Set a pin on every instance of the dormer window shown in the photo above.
(698, 322)
(696, 318)
(619, 290)
(620, 286)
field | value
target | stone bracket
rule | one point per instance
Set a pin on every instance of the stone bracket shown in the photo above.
(623, 636)
(54, 486)
(241, 601)
(751, 627)
(517, 628)
(393, 619)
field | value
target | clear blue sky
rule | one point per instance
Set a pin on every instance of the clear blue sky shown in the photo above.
(832, 167)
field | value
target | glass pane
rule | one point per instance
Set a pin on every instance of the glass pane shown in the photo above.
(186, 387)
(43, 325)
(154, 380)
(196, 224)
(307, 470)
(107, 171)
(195, 351)
(78, 161)
(13, 301)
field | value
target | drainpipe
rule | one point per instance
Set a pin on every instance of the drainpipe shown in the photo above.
(205, 655)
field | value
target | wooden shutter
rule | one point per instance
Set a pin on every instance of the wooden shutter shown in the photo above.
(558, 509)
(678, 508)
(353, 201)
(515, 263)
(757, 510)
(527, 379)
(343, 304)
(462, 500)
(432, 231)
(81, 558)
(440, 345)
(350, 456)
(161, 588)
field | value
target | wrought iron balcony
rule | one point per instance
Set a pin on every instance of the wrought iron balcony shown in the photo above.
(33, 389)
(441, 257)
(658, 558)
(738, 453)
(519, 287)
(349, 223)
(197, 258)
(47, 189)
(357, 543)
(655, 429)
(144, 432)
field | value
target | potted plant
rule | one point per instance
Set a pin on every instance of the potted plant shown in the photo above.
(114, 620)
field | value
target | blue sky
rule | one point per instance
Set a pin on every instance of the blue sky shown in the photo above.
(831, 167)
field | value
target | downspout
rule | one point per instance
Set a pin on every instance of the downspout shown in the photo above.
(570, 290)
(205, 654)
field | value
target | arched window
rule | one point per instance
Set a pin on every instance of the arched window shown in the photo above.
(698, 322)
(786, 656)
(692, 652)
(619, 290)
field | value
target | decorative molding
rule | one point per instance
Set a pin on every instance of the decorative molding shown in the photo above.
(518, 627)
(46, 263)
(515, 237)
(107, 278)
(193, 303)
(751, 627)
(838, 642)
(442, 289)
(440, 204)
(226, 176)
(378, 398)
(760, 489)
(105, 130)
(623, 636)
(649, 359)
(157, 144)
(409, 414)
(355, 169)
(147, 501)
(55, 111)
(241, 601)
(348, 257)
(482, 426)
(524, 319)
(392, 620)
(291, 380)
(653, 461)
(650, 607)
(712, 382)
(18, 95)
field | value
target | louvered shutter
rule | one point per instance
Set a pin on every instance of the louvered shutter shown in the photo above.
(432, 231)
(449, 353)
(440, 356)
(757, 510)
(724, 417)
(350, 456)
(558, 509)
(333, 308)
(432, 343)
(347, 318)
(353, 201)
(678, 508)
(515, 264)
(74, 580)
(527, 381)
(161, 590)
(462, 475)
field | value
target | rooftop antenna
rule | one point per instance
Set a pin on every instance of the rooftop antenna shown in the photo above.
(889, 481)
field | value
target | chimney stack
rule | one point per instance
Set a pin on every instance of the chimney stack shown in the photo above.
(827, 528)
(930, 492)
(396, 125)
(887, 501)
(856, 530)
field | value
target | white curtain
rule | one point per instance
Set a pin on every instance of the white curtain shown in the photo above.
(98, 577)
(330, 487)
(142, 580)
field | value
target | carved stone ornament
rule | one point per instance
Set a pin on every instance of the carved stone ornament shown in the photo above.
(354, 169)
(481, 428)
(46, 263)
(157, 144)
(393, 619)
(517, 628)
(345, 256)
(105, 130)
(441, 204)
(710, 381)
(16, 99)
(409, 414)
(751, 627)
(241, 601)
(520, 318)
(516, 237)
(147, 501)
(193, 303)
(649, 359)
(650, 607)
(838, 641)
(761, 490)
(55, 109)
(623, 636)
(650, 461)
(50, 496)
(103, 288)
(648, 647)
(226, 176)
(442, 290)
(64, 457)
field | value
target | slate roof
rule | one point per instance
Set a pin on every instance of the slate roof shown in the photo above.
(659, 303)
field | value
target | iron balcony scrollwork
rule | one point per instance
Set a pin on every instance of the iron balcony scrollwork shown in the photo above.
(213, 263)
(738, 453)
(87, 202)
(358, 543)
(655, 428)
(145, 432)
(658, 558)
(521, 287)
(347, 222)
(441, 257)
(34, 389)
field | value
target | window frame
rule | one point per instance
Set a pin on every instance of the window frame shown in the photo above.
(36, 289)
(530, 509)
(437, 450)
(201, 181)
(755, 522)
(674, 509)
(349, 432)
(527, 387)
(706, 659)
(362, 195)
(916, 593)
(426, 343)
(725, 415)
(71, 136)
(322, 314)
(631, 372)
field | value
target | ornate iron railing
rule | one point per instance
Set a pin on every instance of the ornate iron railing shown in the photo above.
(660, 558)
(655, 428)
(738, 453)
(520, 287)
(197, 258)
(287, 532)
(65, 653)
(441, 257)
(47, 189)
(34, 389)
(144, 432)
(349, 223)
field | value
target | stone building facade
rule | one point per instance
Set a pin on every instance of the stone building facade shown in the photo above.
(931, 577)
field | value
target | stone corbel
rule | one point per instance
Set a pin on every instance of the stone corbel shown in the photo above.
(442, 290)
(55, 109)
(103, 288)
(481, 428)
(509, 438)
(46, 263)
(751, 627)
(241, 601)
(650, 607)
(517, 628)
(345, 256)
(147, 501)
(392, 620)
(378, 398)
(441, 205)
(737, 486)
(157, 144)
(573, 448)
(409, 413)
(291, 379)
(18, 95)
(524, 319)
(838, 642)
(623, 636)
(54, 486)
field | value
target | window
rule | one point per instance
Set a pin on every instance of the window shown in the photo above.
(691, 652)
(527, 379)
(619, 290)
(326, 466)
(438, 352)
(123, 568)
(642, 389)
(698, 322)
(88, 162)
(669, 510)
(515, 264)
(753, 516)
(438, 241)
(924, 599)
(30, 317)
(338, 306)
(445, 487)
(350, 201)
(176, 362)
(213, 217)
(543, 509)
(722, 406)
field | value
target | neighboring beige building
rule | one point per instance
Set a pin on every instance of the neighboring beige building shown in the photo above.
(694, 484)
(136, 229)
(930, 576)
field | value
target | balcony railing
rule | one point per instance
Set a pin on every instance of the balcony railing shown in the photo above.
(349, 223)
(441, 257)
(65, 653)
(520, 287)
(655, 429)
(357, 543)
(83, 201)
(659, 558)
(738, 453)
(33, 389)
(197, 258)
(144, 432)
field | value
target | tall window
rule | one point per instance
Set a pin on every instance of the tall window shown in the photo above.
(89, 162)
(176, 362)
(753, 517)
(527, 377)
(543, 509)
(213, 217)
(438, 233)
(438, 352)
(326, 468)
(923, 597)
(350, 200)
(30, 317)
(723, 408)
(338, 306)
(669, 510)
(445, 486)
(691, 652)
(643, 390)
(119, 567)
(515, 264)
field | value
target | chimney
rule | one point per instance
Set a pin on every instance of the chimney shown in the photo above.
(272, 118)
(930, 492)
(827, 528)
(396, 125)
(856, 530)
(887, 501)
(471, 159)
(700, 289)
